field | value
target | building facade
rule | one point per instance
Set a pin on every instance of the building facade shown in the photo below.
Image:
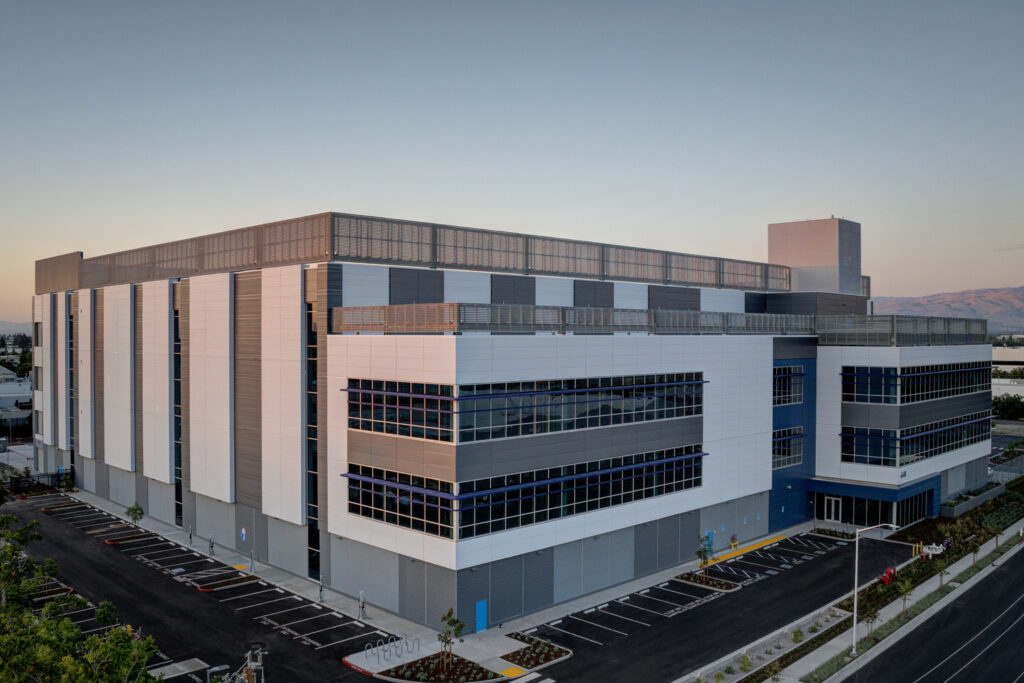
(436, 417)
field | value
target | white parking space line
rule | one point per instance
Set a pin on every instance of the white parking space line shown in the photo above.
(299, 621)
(78, 517)
(625, 601)
(672, 590)
(613, 614)
(329, 628)
(282, 611)
(575, 635)
(137, 540)
(102, 628)
(133, 553)
(266, 602)
(643, 594)
(89, 525)
(343, 640)
(166, 550)
(174, 565)
(237, 597)
(755, 564)
(594, 623)
(82, 621)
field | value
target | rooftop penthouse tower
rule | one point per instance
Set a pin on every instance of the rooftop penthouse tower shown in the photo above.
(438, 416)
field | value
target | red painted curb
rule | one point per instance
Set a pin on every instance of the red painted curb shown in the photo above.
(204, 590)
(356, 667)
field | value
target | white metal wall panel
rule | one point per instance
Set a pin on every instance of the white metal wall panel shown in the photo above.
(363, 285)
(722, 300)
(409, 358)
(554, 291)
(157, 387)
(118, 377)
(45, 355)
(467, 287)
(630, 295)
(61, 364)
(282, 373)
(84, 399)
(211, 411)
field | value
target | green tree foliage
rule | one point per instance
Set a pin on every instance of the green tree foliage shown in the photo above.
(451, 630)
(47, 646)
(703, 552)
(1012, 373)
(21, 341)
(135, 512)
(106, 613)
(1008, 407)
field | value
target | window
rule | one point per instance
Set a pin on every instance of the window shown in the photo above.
(416, 503)
(866, 446)
(891, 449)
(505, 410)
(787, 385)
(869, 385)
(787, 447)
(422, 411)
(506, 502)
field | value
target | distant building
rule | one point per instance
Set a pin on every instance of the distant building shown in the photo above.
(436, 416)
(7, 375)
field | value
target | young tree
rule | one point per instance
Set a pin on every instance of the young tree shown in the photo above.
(870, 617)
(703, 553)
(106, 613)
(904, 588)
(18, 572)
(973, 546)
(450, 632)
(135, 512)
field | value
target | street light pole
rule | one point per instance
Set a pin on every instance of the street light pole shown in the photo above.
(856, 567)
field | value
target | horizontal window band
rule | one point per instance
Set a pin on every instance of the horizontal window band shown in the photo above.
(588, 390)
(789, 438)
(919, 434)
(393, 495)
(791, 374)
(356, 390)
(894, 375)
(463, 411)
(514, 487)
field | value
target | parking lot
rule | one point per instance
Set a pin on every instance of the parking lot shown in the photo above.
(180, 599)
(637, 612)
(674, 627)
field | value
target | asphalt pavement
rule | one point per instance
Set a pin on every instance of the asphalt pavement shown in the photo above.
(977, 637)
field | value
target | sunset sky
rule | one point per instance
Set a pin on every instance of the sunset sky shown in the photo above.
(680, 126)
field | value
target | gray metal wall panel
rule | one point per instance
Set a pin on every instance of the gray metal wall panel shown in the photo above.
(787, 348)
(247, 394)
(85, 474)
(411, 583)
(689, 531)
(138, 456)
(122, 486)
(215, 519)
(413, 286)
(161, 500)
(508, 456)
(673, 298)
(417, 457)
(754, 302)
(538, 580)
(473, 584)
(882, 416)
(188, 510)
(284, 544)
(976, 474)
(591, 293)
(359, 567)
(568, 571)
(594, 553)
(506, 599)
(97, 379)
(668, 542)
(815, 303)
(645, 548)
(513, 289)
(439, 590)
(102, 479)
(620, 558)
(142, 491)
(746, 517)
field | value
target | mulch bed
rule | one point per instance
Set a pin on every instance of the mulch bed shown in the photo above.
(430, 669)
(537, 653)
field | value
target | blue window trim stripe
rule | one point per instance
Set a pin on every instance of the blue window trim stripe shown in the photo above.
(788, 438)
(542, 482)
(588, 390)
(463, 411)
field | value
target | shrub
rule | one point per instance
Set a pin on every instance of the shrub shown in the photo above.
(797, 636)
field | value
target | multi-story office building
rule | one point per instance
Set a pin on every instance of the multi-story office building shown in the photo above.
(436, 416)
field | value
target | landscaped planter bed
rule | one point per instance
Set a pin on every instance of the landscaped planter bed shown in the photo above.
(834, 533)
(430, 669)
(125, 539)
(537, 653)
(709, 582)
(226, 583)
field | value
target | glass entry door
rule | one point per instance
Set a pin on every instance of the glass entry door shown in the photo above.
(832, 508)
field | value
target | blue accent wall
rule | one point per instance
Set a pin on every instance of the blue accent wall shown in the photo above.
(889, 495)
(788, 501)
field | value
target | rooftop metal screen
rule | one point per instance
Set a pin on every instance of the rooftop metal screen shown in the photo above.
(454, 318)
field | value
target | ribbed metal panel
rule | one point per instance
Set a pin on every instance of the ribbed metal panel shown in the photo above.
(645, 548)
(538, 580)
(248, 396)
(439, 591)
(506, 589)
(137, 407)
(668, 542)
(411, 587)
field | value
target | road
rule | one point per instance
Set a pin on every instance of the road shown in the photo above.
(975, 638)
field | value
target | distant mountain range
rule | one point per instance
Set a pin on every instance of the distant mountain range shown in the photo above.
(7, 327)
(1003, 308)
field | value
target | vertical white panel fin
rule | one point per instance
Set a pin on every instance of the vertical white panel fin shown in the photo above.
(157, 387)
(84, 399)
(118, 377)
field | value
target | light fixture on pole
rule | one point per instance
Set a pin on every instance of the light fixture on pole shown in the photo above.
(856, 566)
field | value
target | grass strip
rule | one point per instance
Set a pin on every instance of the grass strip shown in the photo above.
(799, 652)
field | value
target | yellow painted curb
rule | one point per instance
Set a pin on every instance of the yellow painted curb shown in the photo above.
(512, 672)
(240, 566)
(746, 549)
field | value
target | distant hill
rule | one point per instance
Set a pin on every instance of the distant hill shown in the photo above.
(7, 327)
(1003, 308)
